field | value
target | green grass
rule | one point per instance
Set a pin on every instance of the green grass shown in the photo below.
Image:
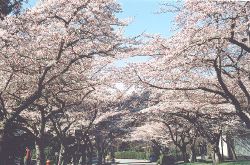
(225, 163)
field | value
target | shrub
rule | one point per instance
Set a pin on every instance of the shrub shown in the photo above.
(131, 155)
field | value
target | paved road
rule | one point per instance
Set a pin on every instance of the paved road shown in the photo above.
(133, 162)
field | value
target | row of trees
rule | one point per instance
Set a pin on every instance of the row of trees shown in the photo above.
(53, 83)
(57, 77)
(199, 77)
(185, 130)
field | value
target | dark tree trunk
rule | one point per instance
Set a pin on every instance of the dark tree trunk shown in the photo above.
(40, 155)
(234, 156)
(84, 150)
(89, 152)
(243, 116)
(216, 155)
(22, 158)
(99, 156)
(3, 149)
(105, 153)
(84, 155)
(231, 149)
(4, 9)
(61, 155)
(184, 154)
(77, 155)
(67, 155)
(193, 158)
(100, 149)
(112, 154)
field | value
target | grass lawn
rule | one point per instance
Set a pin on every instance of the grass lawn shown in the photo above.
(225, 163)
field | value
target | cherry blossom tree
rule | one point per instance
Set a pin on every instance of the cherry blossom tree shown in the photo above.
(209, 54)
(166, 129)
(185, 120)
(97, 116)
(206, 62)
(48, 45)
(66, 125)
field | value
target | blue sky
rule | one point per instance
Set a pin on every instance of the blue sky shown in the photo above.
(143, 14)
(30, 3)
(144, 19)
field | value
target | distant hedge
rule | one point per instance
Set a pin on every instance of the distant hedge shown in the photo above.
(131, 155)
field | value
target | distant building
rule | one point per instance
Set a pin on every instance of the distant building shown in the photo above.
(240, 143)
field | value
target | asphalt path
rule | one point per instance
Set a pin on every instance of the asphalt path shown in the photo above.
(133, 162)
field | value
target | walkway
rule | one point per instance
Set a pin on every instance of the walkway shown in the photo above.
(133, 162)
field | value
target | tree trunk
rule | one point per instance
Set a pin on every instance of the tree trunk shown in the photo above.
(216, 155)
(89, 152)
(22, 158)
(104, 156)
(61, 155)
(112, 154)
(40, 155)
(3, 154)
(100, 154)
(193, 158)
(67, 156)
(184, 154)
(233, 155)
(99, 157)
(84, 151)
(4, 9)
(77, 155)
(83, 157)
(99, 147)
(4, 147)
(243, 116)
(76, 158)
(231, 149)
